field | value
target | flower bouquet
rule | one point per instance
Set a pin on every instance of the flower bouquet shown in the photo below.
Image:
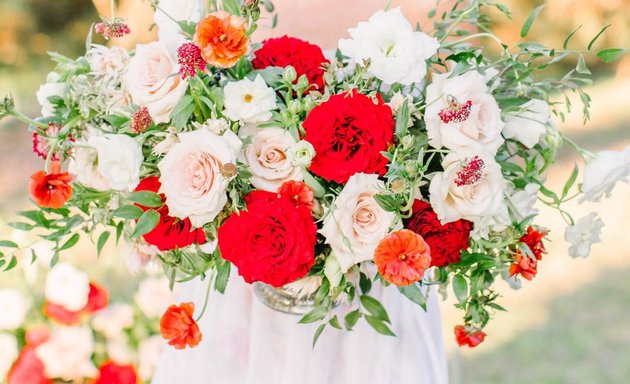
(406, 157)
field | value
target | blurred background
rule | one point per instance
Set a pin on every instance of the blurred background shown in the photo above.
(571, 324)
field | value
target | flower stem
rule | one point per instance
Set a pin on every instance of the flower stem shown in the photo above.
(205, 302)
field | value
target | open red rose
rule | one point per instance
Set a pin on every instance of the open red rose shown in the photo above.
(349, 131)
(470, 339)
(178, 326)
(98, 298)
(171, 232)
(304, 57)
(446, 241)
(112, 373)
(273, 241)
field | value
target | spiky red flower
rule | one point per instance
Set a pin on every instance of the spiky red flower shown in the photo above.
(190, 60)
(112, 29)
(471, 172)
(455, 112)
(141, 120)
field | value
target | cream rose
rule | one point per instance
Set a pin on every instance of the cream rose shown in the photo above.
(68, 287)
(471, 187)
(119, 160)
(529, 125)
(83, 166)
(356, 223)
(268, 159)
(150, 82)
(191, 174)
(462, 114)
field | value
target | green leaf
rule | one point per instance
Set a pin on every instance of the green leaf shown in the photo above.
(402, 119)
(188, 27)
(317, 188)
(375, 308)
(55, 259)
(223, 275)
(316, 314)
(8, 244)
(232, 6)
(387, 202)
(100, 243)
(530, 20)
(611, 54)
(182, 112)
(570, 182)
(11, 264)
(460, 288)
(21, 226)
(131, 212)
(581, 66)
(146, 223)
(414, 293)
(334, 322)
(318, 333)
(146, 199)
(590, 45)
(365, 283)
(379, 326)
(116, 120)
(72, 241)
(351, 319)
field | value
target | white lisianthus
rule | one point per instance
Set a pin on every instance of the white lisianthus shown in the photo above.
(119, 160)
(67, 354)
(357, 223)
(13, 309)
(301, 154)
(191, 174)
(249, 101)
(529, 125)
(461, 114)
(522, 201)
(152, 80)
(583, 234)
(9, 352)
(68, 287)
(304, 287)
(471, 187)
(396, 53)
(83, 167)
(603, 172)
(217, 126)
(149, 352)
(108, 62)
(153, 296)
(113, 320)
(268, 159)
(52, 87)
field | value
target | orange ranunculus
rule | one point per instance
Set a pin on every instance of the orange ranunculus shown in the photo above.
(222, 39)
(402, 257)
(178, 326)
(51, 190)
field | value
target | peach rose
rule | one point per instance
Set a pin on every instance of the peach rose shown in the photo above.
(222, 39)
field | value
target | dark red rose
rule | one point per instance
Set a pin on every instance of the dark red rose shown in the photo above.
(306, 58)
(112, 373)
(273, 241)
(471, 339)
(349, 132)
(446, 241)
(171, 232)
(98, 298)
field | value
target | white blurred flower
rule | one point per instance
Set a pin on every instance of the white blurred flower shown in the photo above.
(138, 255)
(113, 320)
(8, 353)
(529, 125)
(304, 287)
(583, 234)
(397, 54)
(108, 62)
(301, 154)
(52, 87)
(484, 225)
(13, 308)
(149, 356)
(249, 101)
(119, 160)
(217, 126)
(603, 172)
(209, 246)
(83, 167)
(67, 354)
(154, 296)
(119, 350)
(68, 287)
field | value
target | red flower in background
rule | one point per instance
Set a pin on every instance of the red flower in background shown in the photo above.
(306, 58)
(178, 326)
(446, 241)
(298, 192)
(349, 132)
(51, 190)
(98, 298)
(470, 339)
(524, 265)
(112, 373)
(273, 241)
(171, 232)
(28, 368)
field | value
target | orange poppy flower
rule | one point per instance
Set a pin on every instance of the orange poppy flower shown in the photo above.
(51, 190)
(402, 257)
(178, 326)
(222, 38)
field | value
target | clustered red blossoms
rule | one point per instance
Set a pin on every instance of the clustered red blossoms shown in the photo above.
(525, 265)
(463, 337)
(190, 60)
(471, 172)
(141, 120)
(455, 113)
(112, 29)
(298, 192)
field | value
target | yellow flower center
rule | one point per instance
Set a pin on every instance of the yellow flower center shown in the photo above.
(248, 98)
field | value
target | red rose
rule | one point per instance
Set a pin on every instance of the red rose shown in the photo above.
(306, 58)
(112, 373)
(349, 132)
(273, 241)
(171, 232)
(98, 298)
(446, 241)
(178, 326)
(471, 339)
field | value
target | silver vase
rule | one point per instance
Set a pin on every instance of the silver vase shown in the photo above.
(282, 300)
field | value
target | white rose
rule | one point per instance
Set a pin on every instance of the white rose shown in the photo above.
(149, 353)
(153, 296)
(529, 125)
(301, 154)
(583, 234)
(462, 114)
(67, 354)
(83, 167)
(356, 223)
(249, 101)
(498, 222)
(68, 287)
(9, 352)
(152, 80)
(49, 89)
(13, 309)
(397, 53)
(268, 159)
(191, 174)
(604, 171)
(471, 187)
(108, 62)
(119, 160)
(113, 320)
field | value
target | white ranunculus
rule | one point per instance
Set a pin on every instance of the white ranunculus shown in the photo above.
(478, 195)
(522, 201)
(249, 101)
(108, 62)
(397, 54)
(268, 159)
(83, 167)
(9, 352)
(13, 309)
(169, 32)
(152, 80)
(67, 354)
(119, 160)
(478, 129)
(113, 320)
(52, 87)
(357, 223)
(68, 287)
(149, 353)
(603, 172)
(529, 125)
(583, 234)
(154, 296)
(191, 174)
(301, 154)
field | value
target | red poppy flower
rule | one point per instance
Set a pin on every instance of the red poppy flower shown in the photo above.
(51, 190)
(470, 339)
(178, 326)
